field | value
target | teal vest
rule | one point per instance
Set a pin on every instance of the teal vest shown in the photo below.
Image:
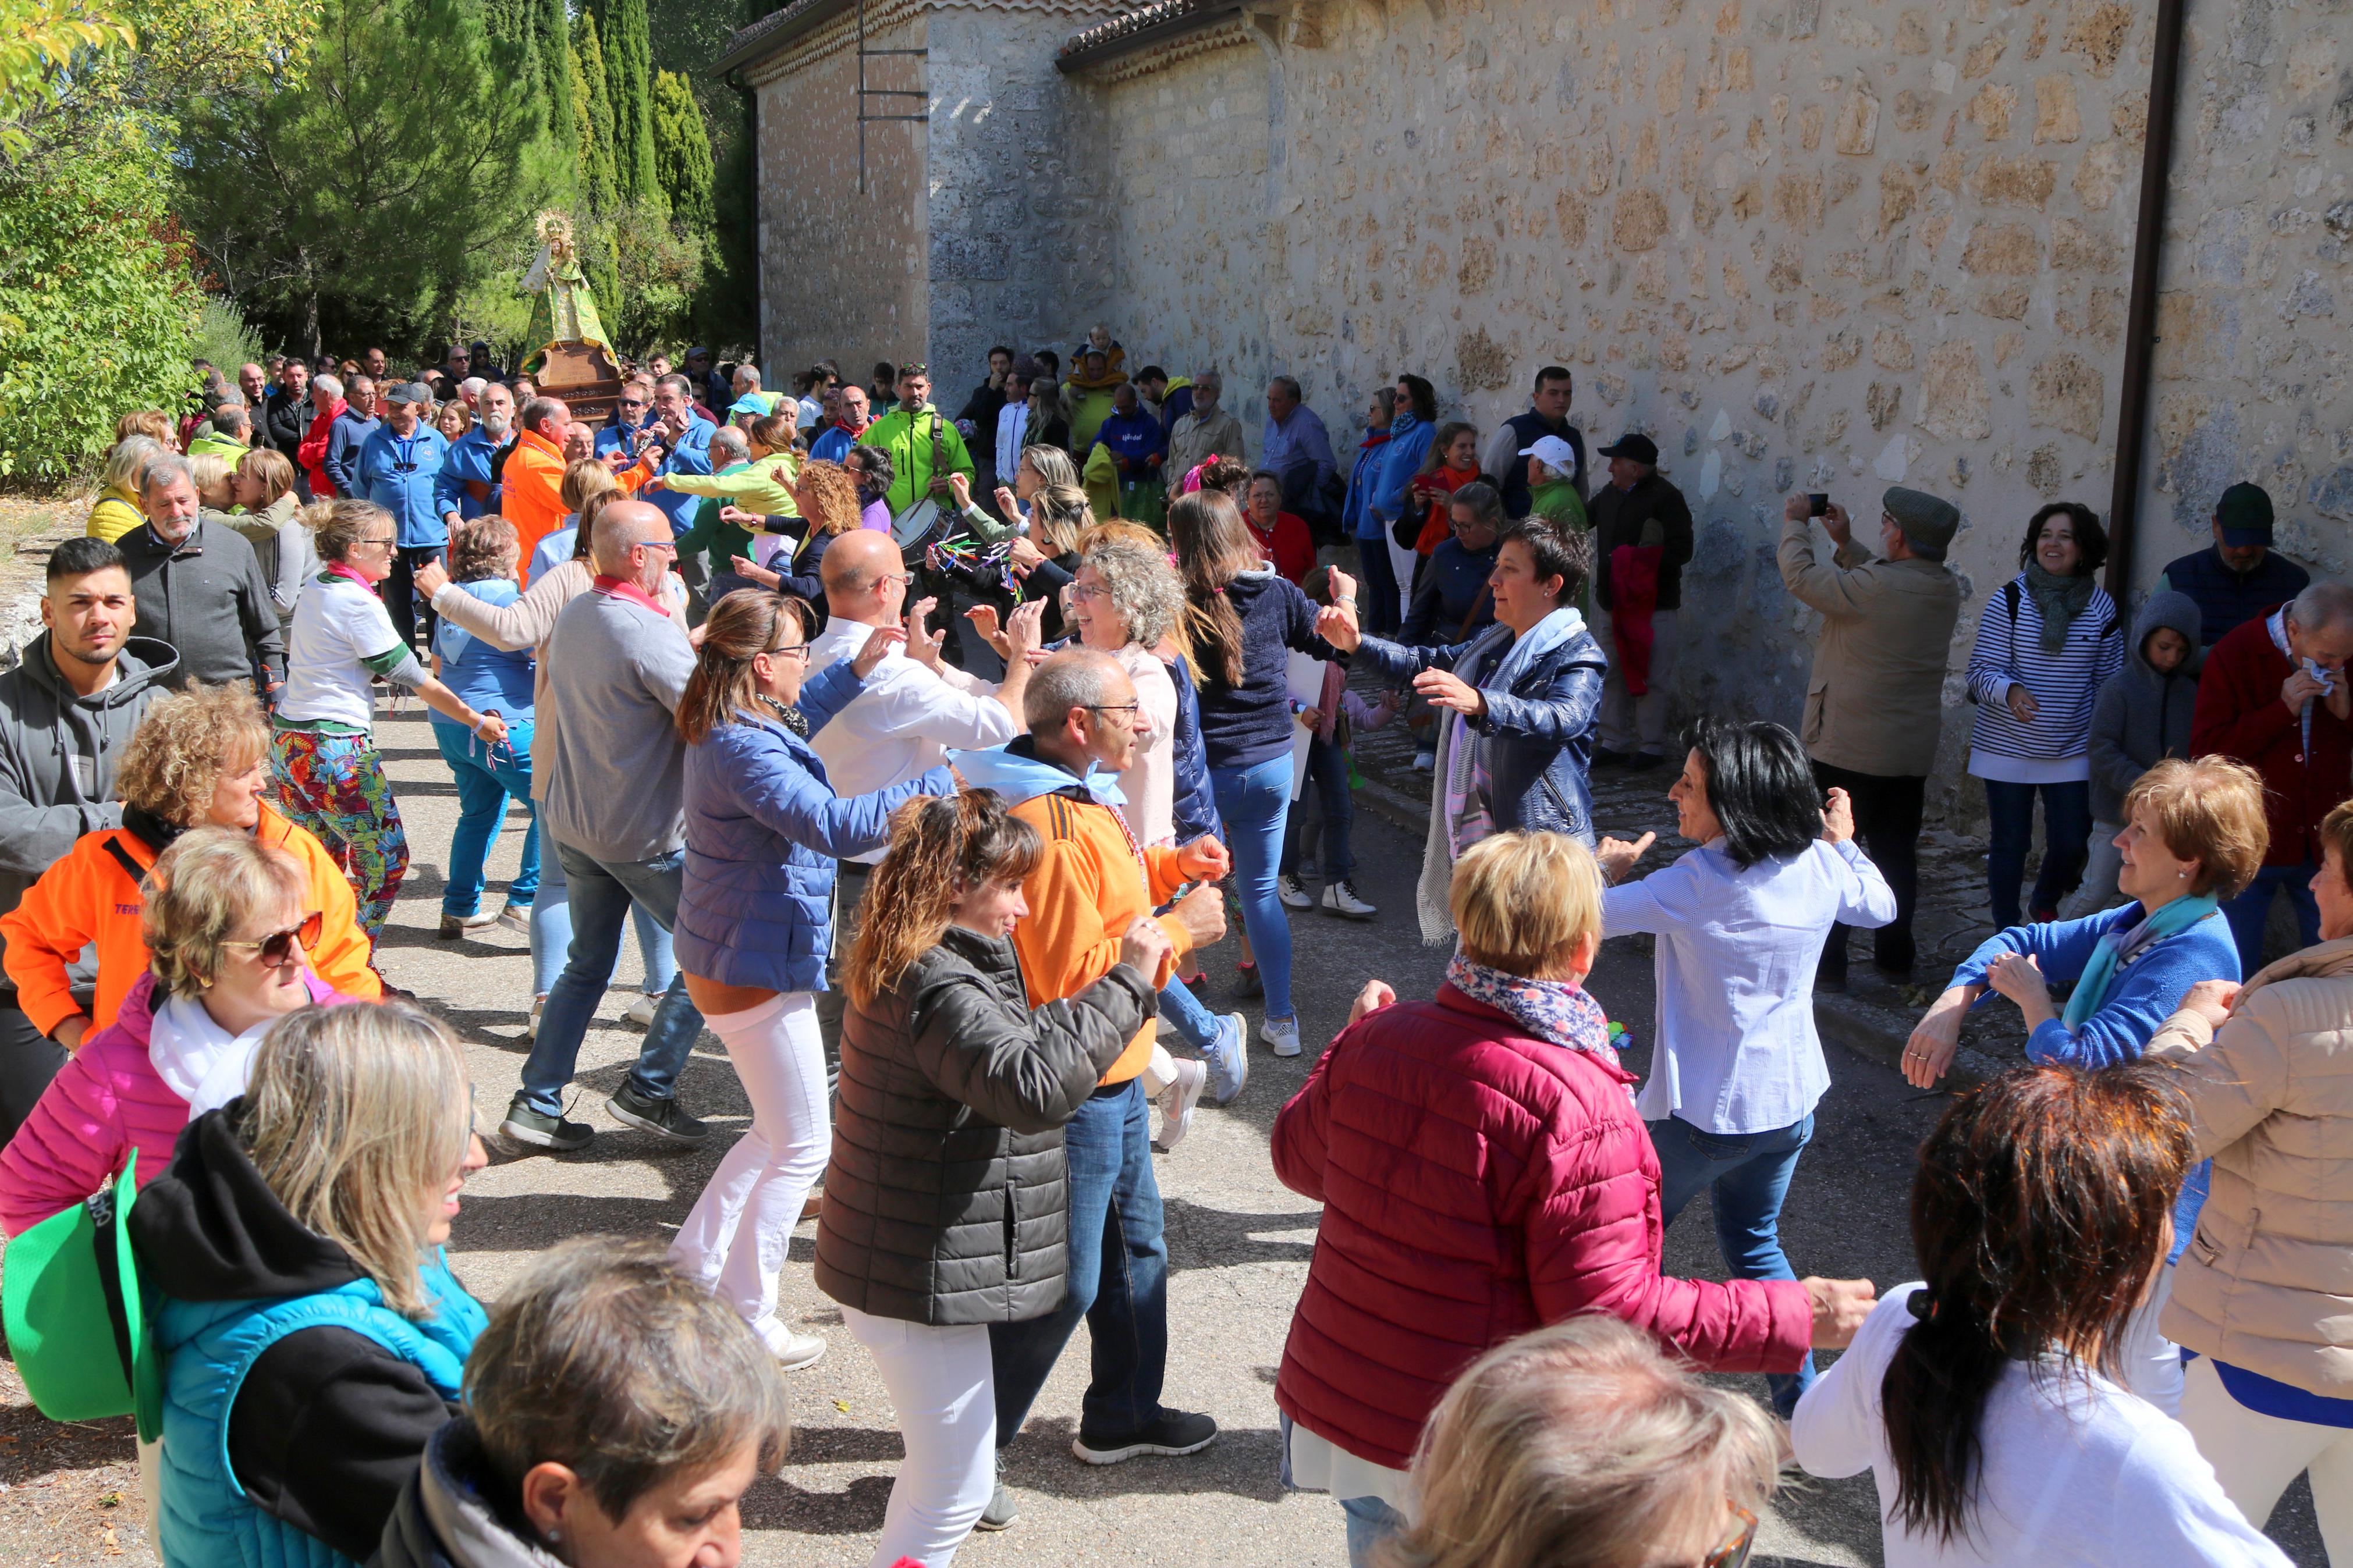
(207, 1521)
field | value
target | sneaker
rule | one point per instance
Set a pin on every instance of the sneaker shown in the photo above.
(527, 1129)
(458, 925)
(1425, 761)
(665, 1118)
(1002, 1511)
(1228, 1059)
(530, 1023)
(1175, 1432)
(1340, 898)
(516, 918)
(1288, 888)
(1246, 981)
(798, 1351)
(1282, 1034)
(1176, 1103)
(641, 1011)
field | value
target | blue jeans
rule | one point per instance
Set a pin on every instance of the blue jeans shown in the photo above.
(1184, 1010)
(2247, 912)
(486, 775)
(1371, 1521)
(1253, 801)
(1747, 1175)
(2066, 843)
(1378, 592)
(601, 892)
(1118, 1278)
(1328, 770)
(551, 934)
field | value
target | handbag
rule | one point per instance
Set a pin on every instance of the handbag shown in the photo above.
(76, 1317)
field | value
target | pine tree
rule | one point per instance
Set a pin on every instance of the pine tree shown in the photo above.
(682, 155)
(593, 126)
(551, 33)
(628, 75)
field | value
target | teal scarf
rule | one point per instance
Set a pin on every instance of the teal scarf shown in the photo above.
(2119, 946)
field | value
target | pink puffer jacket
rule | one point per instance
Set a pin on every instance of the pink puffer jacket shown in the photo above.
(104, 1102)
(1477, 1183)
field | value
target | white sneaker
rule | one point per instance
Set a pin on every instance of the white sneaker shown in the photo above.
(1340, 898)
(1426, 761)
(1178, 1100)
(1282, 1034)
(794, 1352)
(1293, 892)
(531, 1024)
(516, 918)
(641, 1011)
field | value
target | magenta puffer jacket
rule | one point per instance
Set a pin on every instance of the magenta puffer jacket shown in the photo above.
(1477, 1183)
(107, 1101)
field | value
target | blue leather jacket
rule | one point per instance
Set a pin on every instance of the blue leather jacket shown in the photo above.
(1540, 731)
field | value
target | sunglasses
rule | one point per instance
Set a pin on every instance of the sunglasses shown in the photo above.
(280, 947)
(1734, 1553)
(633, 403)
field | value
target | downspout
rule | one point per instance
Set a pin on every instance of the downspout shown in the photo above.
(735, 78)
(2140, 316)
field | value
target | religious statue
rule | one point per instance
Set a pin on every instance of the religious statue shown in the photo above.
(562, 308)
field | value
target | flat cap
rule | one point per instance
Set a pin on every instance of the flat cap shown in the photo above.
(1928, 522)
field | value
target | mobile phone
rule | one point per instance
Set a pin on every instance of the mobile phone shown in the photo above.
(1818, 503)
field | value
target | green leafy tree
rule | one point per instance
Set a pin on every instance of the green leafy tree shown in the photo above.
(661, 271)
(98, 305)
(682, 153)
(347, 207)
(629, 74)
(599, 182)
(551, 37)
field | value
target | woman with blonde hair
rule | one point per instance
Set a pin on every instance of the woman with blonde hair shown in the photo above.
(199, 758)
(271, 518)
(764, 830)
(313, 1337)
(828, 498)
(1583, 1444)
(1481, 1163)
(224, 928)
(117, 510)
(483, 554)
(955, 1087)
(453, 419)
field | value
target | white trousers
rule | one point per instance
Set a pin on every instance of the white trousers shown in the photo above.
(942, 1386)
(736, 1240)
(2152, 1363)
(2256, 1456)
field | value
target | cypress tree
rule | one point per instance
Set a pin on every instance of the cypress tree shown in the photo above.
(594, 131)
(629, 74)
(682, 153)
(551, 32)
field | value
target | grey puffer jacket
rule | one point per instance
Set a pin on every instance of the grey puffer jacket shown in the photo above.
(2142, 716)
(946, 1202)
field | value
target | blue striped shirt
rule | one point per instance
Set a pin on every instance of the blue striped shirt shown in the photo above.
(2009, 652)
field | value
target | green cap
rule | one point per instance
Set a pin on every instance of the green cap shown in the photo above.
(2245, 515)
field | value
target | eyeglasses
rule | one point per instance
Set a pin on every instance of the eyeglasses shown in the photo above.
(1089, 592)
(633, 403)
(1734, 1553)
(280, 947)
(799, 650)
(387, 538)
(661, 545)
(1125, 711)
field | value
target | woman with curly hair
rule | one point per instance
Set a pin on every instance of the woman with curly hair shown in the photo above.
(199, 759)
(828, 498)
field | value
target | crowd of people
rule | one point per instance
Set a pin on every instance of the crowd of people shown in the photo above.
(930, 755)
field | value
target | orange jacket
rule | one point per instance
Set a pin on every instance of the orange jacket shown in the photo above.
(533, 498)
(89, 897)
(1083, 896)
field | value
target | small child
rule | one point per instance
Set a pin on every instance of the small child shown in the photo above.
(2140, 717)
(1332, 719)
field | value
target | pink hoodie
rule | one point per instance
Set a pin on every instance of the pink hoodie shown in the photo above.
(104, 1102)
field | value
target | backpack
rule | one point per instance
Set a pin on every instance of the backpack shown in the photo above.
(77, 1319)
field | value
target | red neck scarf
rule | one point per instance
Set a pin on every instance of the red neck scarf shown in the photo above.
(339, 569)
(623, 588)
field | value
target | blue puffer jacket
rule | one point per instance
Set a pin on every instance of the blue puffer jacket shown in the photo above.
(1409, 440)
(1195, 808)
(1356, 519)
(763, 832)
(1541, 729)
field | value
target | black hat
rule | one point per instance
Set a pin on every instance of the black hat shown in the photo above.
(1634, 444)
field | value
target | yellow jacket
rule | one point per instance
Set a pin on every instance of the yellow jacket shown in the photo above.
(116, 514)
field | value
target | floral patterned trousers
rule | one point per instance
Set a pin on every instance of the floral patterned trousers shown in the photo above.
(335, 785)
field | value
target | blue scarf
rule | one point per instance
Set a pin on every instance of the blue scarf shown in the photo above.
(2120, 946)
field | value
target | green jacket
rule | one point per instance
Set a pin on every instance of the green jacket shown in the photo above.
(910, 440)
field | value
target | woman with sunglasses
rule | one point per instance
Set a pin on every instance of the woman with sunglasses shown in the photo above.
(231, 922)
(1987, 1399)
(763, 831)
(331, 777)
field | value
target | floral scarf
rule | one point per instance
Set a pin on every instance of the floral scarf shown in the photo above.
(1555, 1010)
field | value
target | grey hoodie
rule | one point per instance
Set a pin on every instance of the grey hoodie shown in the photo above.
(58, 754)
(2141, 717)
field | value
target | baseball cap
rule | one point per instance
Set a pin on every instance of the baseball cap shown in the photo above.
(1554, 452)
(2244, 513)
(1634, 444)
(409, 392)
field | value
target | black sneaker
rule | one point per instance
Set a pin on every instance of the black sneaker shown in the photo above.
(1002, 1511)
(528, 1128)
(1174, 1432)
(665, 1118)
(1246, 982)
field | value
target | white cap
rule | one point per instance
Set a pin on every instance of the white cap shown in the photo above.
(1554, 452)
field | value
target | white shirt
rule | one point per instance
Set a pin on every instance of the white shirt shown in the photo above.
(2077, 1472)
(1738, 1051)
(903, 723)
(337, 625)
(1012, 424)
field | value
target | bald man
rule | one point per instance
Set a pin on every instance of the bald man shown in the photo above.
(913, 711)
(610, 795)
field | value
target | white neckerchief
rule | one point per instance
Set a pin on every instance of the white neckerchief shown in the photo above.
(2276, 623)
(201, 1062)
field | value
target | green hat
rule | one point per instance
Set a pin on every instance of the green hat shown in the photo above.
(2244, 514)
(1928, 522)
(75, 1317)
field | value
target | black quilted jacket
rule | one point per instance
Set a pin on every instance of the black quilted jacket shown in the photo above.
(945, 1200)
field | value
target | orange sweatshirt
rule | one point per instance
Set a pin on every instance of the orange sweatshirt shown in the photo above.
(89, 897)
(1084, 894)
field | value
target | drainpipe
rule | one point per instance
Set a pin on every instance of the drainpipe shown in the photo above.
(2140, 316)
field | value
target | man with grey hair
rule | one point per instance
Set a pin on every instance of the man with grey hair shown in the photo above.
(199, 586)
(1091, 887)
(1203, 431)
(1876, 696)
(348, 434)
(611, 794)
(2275, 695)
(1298, 447)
